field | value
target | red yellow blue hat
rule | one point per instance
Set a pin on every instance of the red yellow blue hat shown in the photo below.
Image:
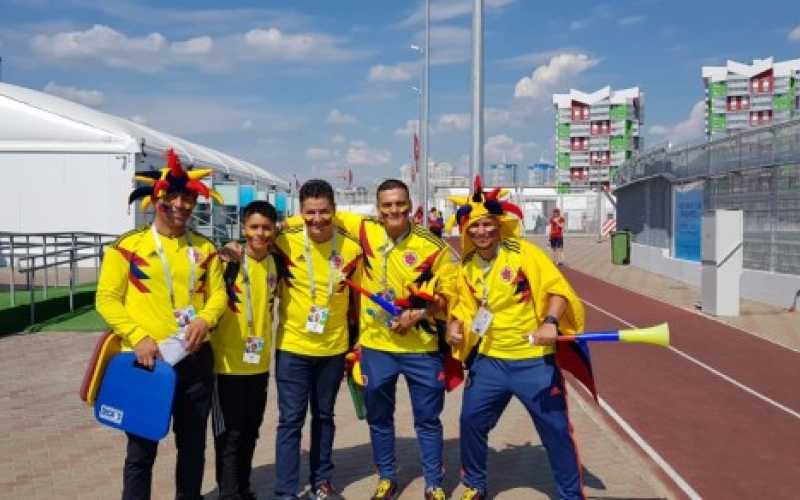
(171, 179)
(482, 204)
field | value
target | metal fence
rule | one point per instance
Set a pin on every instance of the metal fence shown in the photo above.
(49, 259)
(756, 171)
(765, 147)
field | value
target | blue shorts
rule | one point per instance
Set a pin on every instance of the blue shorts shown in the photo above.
(557, 242)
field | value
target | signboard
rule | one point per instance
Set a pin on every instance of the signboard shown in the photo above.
(688, 221)
(246, 195)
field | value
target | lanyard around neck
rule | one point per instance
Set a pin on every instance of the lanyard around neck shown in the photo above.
(247, 294)
(387, 249)
(165, 265)
(312, 284)
(487, 271)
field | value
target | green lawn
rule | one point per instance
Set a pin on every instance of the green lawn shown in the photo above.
(23, 296)
(84, 319)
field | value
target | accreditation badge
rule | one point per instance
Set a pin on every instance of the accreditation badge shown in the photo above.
(253, 348)
(317, 317)
(482, 321)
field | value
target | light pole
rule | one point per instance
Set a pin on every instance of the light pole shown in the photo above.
(427, 109)
(419, 189)
(417, 155)
(476, 158)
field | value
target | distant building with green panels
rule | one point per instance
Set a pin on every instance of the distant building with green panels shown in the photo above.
(743, 96)
(596, 132)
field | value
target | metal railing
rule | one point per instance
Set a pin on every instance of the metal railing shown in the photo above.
(32, 253)
(767, 146)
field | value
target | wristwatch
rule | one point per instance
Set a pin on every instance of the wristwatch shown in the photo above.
(551, 319)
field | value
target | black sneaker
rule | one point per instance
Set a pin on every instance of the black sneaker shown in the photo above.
(324, 491)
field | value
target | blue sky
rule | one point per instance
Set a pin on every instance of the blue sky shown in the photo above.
(316, 87)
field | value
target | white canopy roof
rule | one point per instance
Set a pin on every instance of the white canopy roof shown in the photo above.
(35, 121)
(720, 73)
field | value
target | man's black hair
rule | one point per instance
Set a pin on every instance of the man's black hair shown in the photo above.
(390, 184)
(316, 188)
(260, 207)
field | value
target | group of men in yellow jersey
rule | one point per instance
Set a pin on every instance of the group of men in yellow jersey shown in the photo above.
(500, 309)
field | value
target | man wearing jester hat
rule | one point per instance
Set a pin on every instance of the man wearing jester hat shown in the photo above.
(512, 304)
(163, 283)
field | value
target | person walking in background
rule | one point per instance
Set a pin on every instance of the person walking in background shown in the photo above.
(557, 223)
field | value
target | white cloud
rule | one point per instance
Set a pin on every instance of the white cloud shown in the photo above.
(499, 148)
(141, 120)
(443, 10)
(402, 72)
(186, 116)
(200, 45)
(631, 20)
(794, 35)
(578, 24)
(455, 121)
(336, 117)
(361, 155)
(548, 76)
(410, 129)
(338, 139)
(154, 52)
(685, 131)
(319, 154)
(247, 124)
(93, 98)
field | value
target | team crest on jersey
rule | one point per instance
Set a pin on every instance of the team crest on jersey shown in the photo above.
(194, 254)
(410, 258)
(272, 281)
(336, 260)
(507, 274)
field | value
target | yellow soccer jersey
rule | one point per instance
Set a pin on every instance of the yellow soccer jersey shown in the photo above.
(295, 290)
(419, 259)
(229, 339)
(517, 286)
(132, 293)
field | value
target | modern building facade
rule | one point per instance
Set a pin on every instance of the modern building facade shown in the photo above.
(596, 132)
(744, 96)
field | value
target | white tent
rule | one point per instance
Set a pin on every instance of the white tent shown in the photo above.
(67, 167)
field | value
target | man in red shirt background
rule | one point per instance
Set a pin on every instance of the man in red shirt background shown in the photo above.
(557, 222)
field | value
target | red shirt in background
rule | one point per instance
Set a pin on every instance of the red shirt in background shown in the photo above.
(556, 227)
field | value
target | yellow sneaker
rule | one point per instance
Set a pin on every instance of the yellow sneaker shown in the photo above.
(385, 490)
(472, 494)
(436, 493)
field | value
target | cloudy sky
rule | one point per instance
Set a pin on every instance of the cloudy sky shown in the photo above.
(317, 87)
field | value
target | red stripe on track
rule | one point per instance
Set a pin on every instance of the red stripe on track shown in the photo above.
(724, 441)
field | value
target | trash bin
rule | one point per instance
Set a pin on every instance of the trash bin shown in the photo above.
(621, 248)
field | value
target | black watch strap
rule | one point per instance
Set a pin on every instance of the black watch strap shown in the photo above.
(551, 319)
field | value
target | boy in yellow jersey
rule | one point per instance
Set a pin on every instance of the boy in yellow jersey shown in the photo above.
(242, 346)
(164, 283)
(312, 337)
(402, 261)
(513, 302)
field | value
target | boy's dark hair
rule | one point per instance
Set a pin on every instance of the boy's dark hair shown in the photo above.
(389, 184)
(260, 207)
(316, 188)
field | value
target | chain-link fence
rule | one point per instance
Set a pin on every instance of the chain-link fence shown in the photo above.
(756, 171)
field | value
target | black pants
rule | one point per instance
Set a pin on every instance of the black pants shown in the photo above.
(195, 383)
(241, 403)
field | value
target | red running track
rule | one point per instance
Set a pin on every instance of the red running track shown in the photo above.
(724, 441)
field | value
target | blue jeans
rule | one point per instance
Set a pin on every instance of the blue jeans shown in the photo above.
(302, 380)
(424, 374)
(538, 385)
